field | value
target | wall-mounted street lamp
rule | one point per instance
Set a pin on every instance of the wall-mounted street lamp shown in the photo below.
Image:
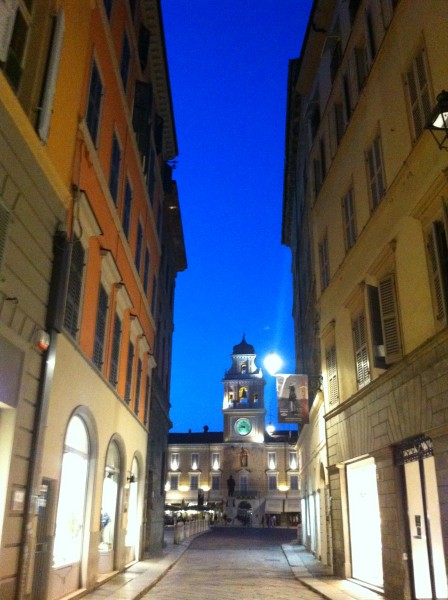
(438, 121)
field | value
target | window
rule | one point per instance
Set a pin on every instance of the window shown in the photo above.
(243, 368)
(175, 461)
(100, 327)
(314, 118)
(375, 172)
(70, 517)
(174, 482)
(127, 208)
(348, 213)
(362, 66)
(73, 300)
(272, 482)
(338, 116)
(194, 482)
(108, 7)
(154, 295)
(347, 97)
(386, 337)
(292, 460)
(361, 351)
(317, 176)
(324, 263)
(336, 59)
(418, 93)
(138, 247)
(51, 76)
(353, 9)
(215, 461)
(195, 461)
(129, 371)
(115, 351)
(294, 483)
(114, 174)
(137, 386)
(272, 460)
(94, 102)
(14, 45)
(146, 270)
(216, 483)
(143, 46)
(125, 60)
(371, 42)
(147, 400)
(438, 255)
(244, 483)
(332, 374)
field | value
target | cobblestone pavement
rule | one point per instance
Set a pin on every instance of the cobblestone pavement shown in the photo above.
(234, 564)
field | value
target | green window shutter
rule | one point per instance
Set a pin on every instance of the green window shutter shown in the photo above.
(389, 319)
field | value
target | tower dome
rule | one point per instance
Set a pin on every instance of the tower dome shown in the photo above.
(243, 347)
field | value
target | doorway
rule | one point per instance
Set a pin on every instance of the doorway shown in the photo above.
(364, 522)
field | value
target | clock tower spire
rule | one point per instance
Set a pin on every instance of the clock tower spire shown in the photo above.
(243, 404)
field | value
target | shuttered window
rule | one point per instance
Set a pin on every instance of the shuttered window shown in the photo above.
(125, 61)
(46, 110)
(138, 247)
(129, 371)
(143, 46)
(438, 255)
(154, 296)
(94, 103)
(418, 93)
(389, 319)
(114, 174)
(73, 301)
(146, 270)
(332, 374)
(147, 400)
(348, 212)
(376, 172)
(138, 386)
(115, 351)
(324, 263)
(7, 17)
(361, 351)
(100, 327)
(127, 208)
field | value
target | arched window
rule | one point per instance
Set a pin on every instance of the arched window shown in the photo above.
(111, 483)
(72, 495)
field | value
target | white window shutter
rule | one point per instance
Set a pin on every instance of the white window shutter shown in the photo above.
(389, 319)
(52, 75)
(8, 9)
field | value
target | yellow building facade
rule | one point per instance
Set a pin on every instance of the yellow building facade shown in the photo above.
(365, 199)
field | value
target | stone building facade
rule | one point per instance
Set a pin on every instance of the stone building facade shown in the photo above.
(365, 216)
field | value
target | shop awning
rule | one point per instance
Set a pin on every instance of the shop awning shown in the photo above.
(274, 506)
(292, 506)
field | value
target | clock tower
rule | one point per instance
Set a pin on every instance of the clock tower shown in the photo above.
(243, 405)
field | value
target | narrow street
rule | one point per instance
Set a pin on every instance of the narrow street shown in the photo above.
(243, 563)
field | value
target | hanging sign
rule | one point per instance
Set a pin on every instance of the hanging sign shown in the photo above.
(292, 398)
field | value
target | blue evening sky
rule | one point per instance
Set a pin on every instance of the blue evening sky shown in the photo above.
(228, 62)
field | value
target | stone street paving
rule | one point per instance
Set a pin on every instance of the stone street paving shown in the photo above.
(234, 564)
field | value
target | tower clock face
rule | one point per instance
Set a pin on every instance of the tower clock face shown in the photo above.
(243, 426)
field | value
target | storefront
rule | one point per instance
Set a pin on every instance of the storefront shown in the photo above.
(364, 522)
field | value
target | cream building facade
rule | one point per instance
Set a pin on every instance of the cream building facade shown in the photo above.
(365, 216)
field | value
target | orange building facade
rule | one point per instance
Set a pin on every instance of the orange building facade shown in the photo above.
(90, 222)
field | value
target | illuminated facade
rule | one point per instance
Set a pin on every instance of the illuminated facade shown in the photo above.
(365, 217)
(264, 467)
(90, 222)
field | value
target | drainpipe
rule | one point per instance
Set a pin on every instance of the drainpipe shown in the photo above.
(54, 320)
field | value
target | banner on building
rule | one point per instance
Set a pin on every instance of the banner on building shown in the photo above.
(292, 398)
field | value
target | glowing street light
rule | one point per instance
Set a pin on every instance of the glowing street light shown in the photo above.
(272, 362)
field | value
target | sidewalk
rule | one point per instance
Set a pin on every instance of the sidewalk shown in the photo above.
(138, 579)
(309, 571)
